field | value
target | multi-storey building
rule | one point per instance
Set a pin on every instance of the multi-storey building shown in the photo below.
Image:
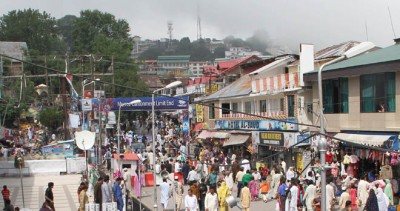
(240, 52)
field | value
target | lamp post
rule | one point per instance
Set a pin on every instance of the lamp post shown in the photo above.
(119, 127)
(20, 160)
(169, 86)
(322, 143)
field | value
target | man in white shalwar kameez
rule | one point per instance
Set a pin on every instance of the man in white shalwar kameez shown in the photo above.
(211, 200)
(275, 183)
(294, 193)
(229, 180)
(165, 192)
(330, 196)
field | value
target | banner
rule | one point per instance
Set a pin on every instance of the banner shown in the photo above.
(266, 125)
(199, 113)
(60, 150)
(160, 103)
(185, 124)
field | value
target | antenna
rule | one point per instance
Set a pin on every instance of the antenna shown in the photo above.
(366, 29)
(198, 24)
(391, 22)
(170, 28)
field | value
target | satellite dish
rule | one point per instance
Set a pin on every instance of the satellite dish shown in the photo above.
(85, 139)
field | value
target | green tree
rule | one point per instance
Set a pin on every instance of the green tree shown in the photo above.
(101, 33)
(219, 52)
(10, 112)
(37, 29)
(51, 117)
(65, 26)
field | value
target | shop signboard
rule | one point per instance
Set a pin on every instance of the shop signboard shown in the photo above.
(199, 113)
(271, 138)
(300, 137)
(262, 125)
(86, 104)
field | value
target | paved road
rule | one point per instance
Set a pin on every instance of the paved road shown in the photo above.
(65, 186)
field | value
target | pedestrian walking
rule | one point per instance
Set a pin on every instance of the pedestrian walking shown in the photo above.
(6, 194)
(294, 194)
(49, 197)
(203, 191)
(211, 200)
(223, 193)
(83, 198)
(191, 202)
(245, 197)
(105, 190)
(98, 194)
(108, 156)
(165, 192)
(179, 193)
(253, 189)
(117, 190)
(310, 195)
(8, 206)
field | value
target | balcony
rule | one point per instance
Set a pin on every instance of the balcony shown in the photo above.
(276, 83)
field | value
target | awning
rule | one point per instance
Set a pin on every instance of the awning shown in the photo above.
(369, 140)
(206, 134)
(198, 126)
(221, 135)
(236, 139)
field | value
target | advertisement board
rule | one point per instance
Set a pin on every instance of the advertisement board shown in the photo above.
(60, 150)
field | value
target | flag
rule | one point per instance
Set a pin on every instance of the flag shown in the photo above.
(69, 78)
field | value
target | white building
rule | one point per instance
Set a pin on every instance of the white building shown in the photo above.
(240, 52)
(196, 68)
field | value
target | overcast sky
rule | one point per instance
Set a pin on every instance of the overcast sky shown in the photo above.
(288, 22)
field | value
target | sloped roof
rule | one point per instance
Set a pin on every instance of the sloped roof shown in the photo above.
(276, 63)
(228, 64)
(335, 50)
(237, 63)
(388, 54)
(153, 81)
(240, 87)
(13, 49)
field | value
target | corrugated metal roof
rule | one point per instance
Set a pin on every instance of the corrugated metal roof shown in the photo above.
(388, 54)
(13, 49)
(276, 63)
(240, 87)
(335, 50)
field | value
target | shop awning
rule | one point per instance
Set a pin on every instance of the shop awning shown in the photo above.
(206, 134)
(369, 140)
(236, 139)
(221, 135)
(198, 126)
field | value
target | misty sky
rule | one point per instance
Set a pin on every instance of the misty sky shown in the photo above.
(288, 22)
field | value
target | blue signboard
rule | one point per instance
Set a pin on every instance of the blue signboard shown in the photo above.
(301, 137)
(288, 125)
(160, 103)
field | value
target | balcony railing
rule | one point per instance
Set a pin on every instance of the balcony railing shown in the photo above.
(263, 114)
(276, 83)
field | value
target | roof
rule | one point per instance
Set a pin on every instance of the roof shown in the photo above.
(388, 54)
(237, 63)
(335, 50)
(152, 81)
(228, 64)
(13, 49)
(176, 58)
(274, 64)
(127, 156)
(240, 87)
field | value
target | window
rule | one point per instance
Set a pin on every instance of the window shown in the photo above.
(226, 108)
(378, 92)
(336, 95)
(211, 112)
(282, 104)
(290, 105)
(263, 105)
(235, 107)
(248, 107)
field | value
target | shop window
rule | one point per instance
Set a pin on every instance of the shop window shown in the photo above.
(226, 108)
(378, 92)
(235, 107)
(290, 105)
(248, 107)
(211, 111)
(263, 105)
(336, 95)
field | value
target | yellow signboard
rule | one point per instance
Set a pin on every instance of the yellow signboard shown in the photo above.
(212, 88)
(199, 113)
(299, 161)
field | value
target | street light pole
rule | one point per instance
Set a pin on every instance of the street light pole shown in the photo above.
(171, 85)
(322, 143)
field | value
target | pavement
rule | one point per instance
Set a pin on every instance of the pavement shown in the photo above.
(65, 187)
